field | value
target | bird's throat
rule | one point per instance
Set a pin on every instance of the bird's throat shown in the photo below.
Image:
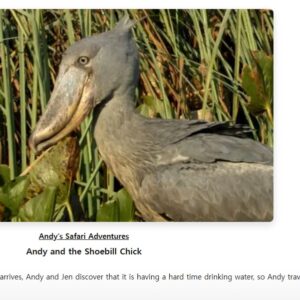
(118, 131)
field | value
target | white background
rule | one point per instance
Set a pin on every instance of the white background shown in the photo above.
(199, 248)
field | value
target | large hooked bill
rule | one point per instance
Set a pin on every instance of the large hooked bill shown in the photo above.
(70, 102)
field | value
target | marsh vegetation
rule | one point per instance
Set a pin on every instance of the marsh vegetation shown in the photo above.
(215, 65)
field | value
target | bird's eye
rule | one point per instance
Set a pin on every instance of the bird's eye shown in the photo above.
(83, 60)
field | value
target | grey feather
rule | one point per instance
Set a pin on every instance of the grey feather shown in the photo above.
(125, 23)
(174, 169)
(208, 192)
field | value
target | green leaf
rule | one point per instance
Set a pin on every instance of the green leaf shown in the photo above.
(253, 85)
(152, 107)
(257, 82)
(144, 110)
(4, 174)
(57, 167)
(265, 64)
(39, 208)
(13, 193)
(108, 211)
(126, 206)
(120, 209)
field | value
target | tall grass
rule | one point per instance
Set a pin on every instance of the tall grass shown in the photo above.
(191, 67)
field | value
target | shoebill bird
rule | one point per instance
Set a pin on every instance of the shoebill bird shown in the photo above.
(181, 170)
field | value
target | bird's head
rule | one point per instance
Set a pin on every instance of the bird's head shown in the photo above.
(92, 70)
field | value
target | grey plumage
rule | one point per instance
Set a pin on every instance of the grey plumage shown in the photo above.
(174, 169)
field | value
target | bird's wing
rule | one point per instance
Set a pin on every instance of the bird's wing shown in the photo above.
(206, 142)
(176, 130)
(208, 192)
(206, 148)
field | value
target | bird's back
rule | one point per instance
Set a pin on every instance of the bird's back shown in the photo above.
(220, 191)
(207, 172)
(205, 142)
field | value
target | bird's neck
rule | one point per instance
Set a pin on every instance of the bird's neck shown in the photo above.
(118, 131)
(113, 117)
